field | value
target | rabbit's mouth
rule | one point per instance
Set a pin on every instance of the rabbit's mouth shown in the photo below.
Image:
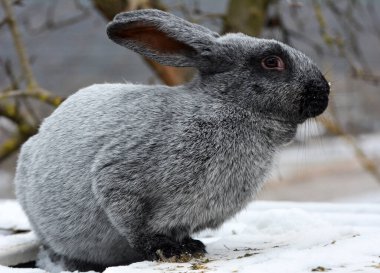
(313, 105)
(314, 99)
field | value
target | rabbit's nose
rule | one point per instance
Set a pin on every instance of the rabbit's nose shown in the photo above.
(315, 98)
(318, 87)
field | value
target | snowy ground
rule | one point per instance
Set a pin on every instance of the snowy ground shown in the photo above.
(265, 237)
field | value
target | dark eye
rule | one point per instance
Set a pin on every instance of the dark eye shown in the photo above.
(273, 63)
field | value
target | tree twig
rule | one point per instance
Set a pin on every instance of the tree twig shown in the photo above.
(36, 93)
(11, 110)
(17, 40)
(247, 16)
(11, 144)
(24, 130)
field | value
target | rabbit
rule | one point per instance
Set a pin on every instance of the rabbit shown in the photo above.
(121, 173)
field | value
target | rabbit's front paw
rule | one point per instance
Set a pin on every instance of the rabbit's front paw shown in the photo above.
(164, 248)
(194, 247)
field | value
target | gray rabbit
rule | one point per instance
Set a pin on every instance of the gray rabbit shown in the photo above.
(120, 171)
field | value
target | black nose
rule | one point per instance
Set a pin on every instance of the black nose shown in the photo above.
(314, 99)
(317, 87)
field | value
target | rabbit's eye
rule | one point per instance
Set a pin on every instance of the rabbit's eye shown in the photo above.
(273, 63)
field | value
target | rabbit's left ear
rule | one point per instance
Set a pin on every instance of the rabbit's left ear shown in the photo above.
(163, 37)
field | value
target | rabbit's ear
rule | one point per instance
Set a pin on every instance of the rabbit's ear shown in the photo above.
(163, 37)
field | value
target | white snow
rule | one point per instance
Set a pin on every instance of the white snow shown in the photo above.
(15, 248)
(18, 248)
(268, 237)
(265, 237)
(12, 217)
(287, 237)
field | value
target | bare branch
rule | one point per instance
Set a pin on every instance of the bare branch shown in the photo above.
(11, 93)
(247, 16)
(367, 76)
(21, 51)
(14, 83)
(9, 111)
(36, 93)
(24, 129)
(3, 22)
(327, 38)
(12, 144)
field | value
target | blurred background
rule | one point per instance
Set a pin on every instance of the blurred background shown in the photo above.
(50, 49)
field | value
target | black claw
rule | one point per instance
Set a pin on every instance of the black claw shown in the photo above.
(170, 250)
(193, 246)
(164, 247)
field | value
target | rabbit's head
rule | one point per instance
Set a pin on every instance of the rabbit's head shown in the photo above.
(263, 76)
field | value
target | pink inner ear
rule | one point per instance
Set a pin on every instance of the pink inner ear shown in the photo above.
(153, 38)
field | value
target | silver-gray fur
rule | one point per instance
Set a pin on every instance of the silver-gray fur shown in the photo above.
(119, 171)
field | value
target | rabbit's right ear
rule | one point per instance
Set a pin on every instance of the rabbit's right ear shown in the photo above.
(163, 37)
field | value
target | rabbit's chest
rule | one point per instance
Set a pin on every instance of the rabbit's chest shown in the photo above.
(212, 175)
(233, 180)
(230, 168)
